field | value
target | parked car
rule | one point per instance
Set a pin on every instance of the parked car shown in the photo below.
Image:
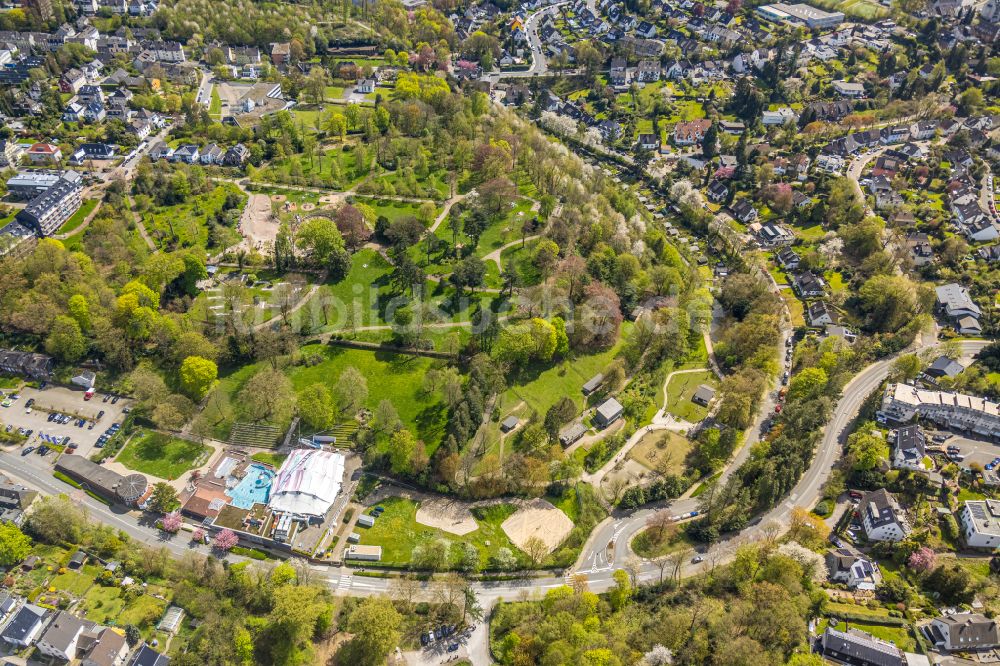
(697, 559)
(100, 415)
(27, 450)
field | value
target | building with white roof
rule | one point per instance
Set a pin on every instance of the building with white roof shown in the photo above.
(308, 482)
(903, 402)
(980, 520)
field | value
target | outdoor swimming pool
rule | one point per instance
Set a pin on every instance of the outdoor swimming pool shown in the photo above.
(254, 488)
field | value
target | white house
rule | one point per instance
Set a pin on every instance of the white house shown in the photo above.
(980, 521)
(61, 636)
(881, 517)
(779, 116)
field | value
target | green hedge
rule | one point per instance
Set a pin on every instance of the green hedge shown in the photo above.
(861, 618)
(252, 553)
(65, 479)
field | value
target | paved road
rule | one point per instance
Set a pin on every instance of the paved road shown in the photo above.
(539, 63)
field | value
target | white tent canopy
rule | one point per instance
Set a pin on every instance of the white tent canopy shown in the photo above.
(308, 482)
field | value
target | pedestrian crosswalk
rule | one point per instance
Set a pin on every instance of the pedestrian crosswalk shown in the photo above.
(344, 583)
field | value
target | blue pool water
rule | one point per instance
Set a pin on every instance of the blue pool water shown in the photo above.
(254, 488)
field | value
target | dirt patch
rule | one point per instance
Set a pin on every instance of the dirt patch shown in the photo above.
(329, 198)
(450, 516)
(308, 206)
(278, 197)
(540, 519)
(256, 223)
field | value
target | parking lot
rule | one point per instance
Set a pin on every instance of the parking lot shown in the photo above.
(442, 650)
(55, 399)
(972, 451)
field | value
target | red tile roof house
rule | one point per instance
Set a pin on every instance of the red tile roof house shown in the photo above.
(44, 153)
(691, 132)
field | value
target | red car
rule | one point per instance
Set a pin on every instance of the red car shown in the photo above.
(777, 409)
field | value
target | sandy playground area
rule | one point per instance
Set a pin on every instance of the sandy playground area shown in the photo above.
(256, 224)
(538, 518)
(449, 516)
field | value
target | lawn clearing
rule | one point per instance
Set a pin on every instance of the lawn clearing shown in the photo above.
(78, 217)
(645, 544)
(103, 604)
(273, 459)
(543, 387)
(679, 391)
(662, 451)
(74, 582)
(163, 456)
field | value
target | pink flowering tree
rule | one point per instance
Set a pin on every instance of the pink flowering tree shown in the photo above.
(198, 535)
(172, 522)
(225, 540)
(923, 560)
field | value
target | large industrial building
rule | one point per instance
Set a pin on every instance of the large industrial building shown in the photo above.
(903, 402)
(800, 14)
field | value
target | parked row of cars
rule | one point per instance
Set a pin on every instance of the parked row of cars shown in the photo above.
(108, 435)
(444, 631)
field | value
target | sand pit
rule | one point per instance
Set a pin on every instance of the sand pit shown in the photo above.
(308, 206)
(278, 197)
(538, 518)
(450, 516)
(329, 198)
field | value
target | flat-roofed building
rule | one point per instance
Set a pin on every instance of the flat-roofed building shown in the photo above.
(800, 14)
(904, 402)
(980, 521)
(47, 212)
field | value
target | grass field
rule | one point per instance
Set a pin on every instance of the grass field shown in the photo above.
(901, 636)
(163, 456)
(78, 217)
(541, 388)
(679, 392)
(396, 377)
(186, 222)
(102, 604)
(398, 532)
(215, 107)
(655, 447)
(274, 459)
(645, 545)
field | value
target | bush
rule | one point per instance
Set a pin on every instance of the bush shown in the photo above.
(824, 508)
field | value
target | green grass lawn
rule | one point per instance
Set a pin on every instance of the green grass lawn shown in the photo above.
(645, 544)
(143, 612)
(334, 92)
(660, 445)
(541, 388)
(392, 209)
(102, 604)
(811, 234)
(679, 392)
(163, 456)
(901, 636)
(274, 459)
(78, 217)
(187, 222)
(215, 107)
(398, 532)
(396, 377)
(74, 582)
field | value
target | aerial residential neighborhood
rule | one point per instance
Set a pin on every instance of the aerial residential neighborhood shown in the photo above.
(533, 332)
